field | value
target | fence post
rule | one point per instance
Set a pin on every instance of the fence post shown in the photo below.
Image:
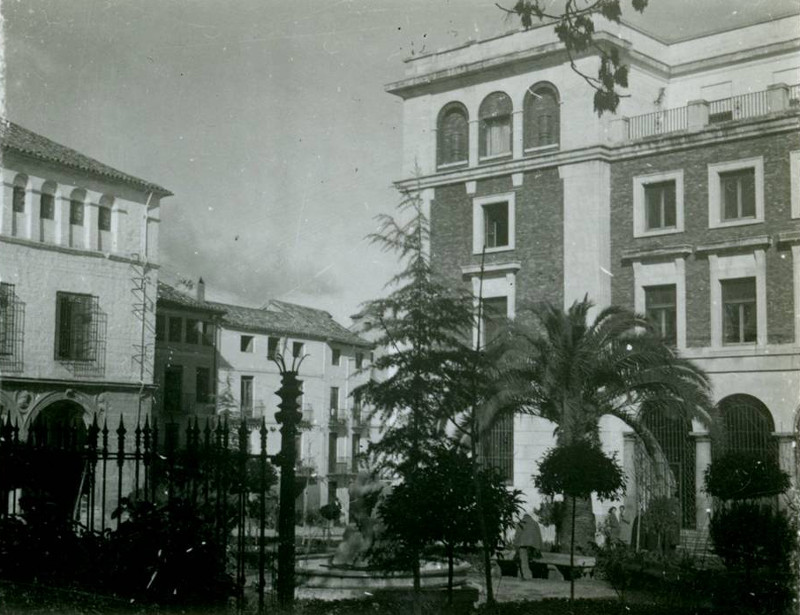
(262, 513)
(288, 417)
(120, 462)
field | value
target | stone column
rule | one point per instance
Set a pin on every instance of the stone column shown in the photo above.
(629, 466)
(787, 456)
(474, 134)
(517, 134)
(6, 213)
(90, 220)
(62, 201)
(702, 443)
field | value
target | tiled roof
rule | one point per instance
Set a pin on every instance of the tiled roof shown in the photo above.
(168, 294)
(15, 137)
(291, 320)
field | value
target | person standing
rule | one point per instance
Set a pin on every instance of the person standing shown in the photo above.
(527, 541)
(612, 526)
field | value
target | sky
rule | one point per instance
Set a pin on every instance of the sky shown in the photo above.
(267, 119)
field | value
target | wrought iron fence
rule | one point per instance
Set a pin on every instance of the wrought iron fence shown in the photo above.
(88, 474)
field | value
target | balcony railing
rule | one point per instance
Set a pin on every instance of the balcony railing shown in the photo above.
(739, 107)
(701, 113)
(337, 421)
(340, 467)
(658, 122)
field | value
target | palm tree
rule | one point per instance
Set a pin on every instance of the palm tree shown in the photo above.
(572, 372)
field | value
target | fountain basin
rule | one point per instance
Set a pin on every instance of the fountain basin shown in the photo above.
(316, 578)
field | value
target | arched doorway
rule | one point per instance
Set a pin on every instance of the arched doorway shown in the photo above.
(56, 466)
(672, 434)
(742, 423)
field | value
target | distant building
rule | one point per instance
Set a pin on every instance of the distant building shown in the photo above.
(685, 206)
(186, 361)
(335, 428)
(78, 266)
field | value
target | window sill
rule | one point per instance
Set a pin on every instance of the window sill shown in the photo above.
(542, 148)
(495, 157)
(446, 166)
(742, 222)
(673, 230)
(493, 250)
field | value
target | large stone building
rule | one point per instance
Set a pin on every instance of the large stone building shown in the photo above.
(78, 265)
(684, 205)
(335, 428)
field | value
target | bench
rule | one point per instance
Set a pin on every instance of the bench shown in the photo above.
(550, 565)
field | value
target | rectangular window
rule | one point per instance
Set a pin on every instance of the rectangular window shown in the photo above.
(355, 451)
(246, 343)
(739, 323)
(359, 360)
(494, 317)
(661, 309)
(192, 331)
(336, 356)
(175, 329)
(246, 395)
(333, 442)
(7, 317)
(76, 327)
(203, 385)
(47, 207)
(297, 349)
(334, 401)
(497, 136)
(104, 218)
(18, 200)
(272, 347)
(208, 334)
(495, 225)
(76, 212)
(738, 190)
(161, 328)
(660, 205)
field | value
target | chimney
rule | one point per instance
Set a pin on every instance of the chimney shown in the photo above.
(201, 290)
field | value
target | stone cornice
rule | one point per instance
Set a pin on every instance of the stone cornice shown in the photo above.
(87, 383)
(791, 238)
(677, 141)
(472, 270)
(735, 245)
(51, 247)
(659, 253)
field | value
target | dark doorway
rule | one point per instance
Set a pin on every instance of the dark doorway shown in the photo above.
(173, 389)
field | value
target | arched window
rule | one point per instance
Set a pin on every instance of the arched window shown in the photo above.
(744, 425)
(453, 135)
(495, 125)
(541, 116)
(47, 201)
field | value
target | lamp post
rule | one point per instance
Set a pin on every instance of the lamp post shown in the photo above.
(288, 417)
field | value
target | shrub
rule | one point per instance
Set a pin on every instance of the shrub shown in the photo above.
(662, 520)
(744, 476)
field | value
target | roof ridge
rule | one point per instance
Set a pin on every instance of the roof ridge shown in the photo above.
(68, 156)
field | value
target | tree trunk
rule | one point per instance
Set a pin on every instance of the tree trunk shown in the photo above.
(450, 557)
(415, 571)
(584, 523)
(572, 555)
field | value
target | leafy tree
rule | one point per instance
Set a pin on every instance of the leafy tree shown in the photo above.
(423, 323)
(572, 372)
(574, 26)
(434, 504)
(576, 470)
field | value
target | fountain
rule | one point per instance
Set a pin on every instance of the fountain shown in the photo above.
(347, 573)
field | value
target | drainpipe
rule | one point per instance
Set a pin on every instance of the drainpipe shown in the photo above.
(144, 310)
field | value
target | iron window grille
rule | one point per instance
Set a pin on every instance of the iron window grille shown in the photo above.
(12, 317)
(497, 447)
(246, 396)
(79, 327)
